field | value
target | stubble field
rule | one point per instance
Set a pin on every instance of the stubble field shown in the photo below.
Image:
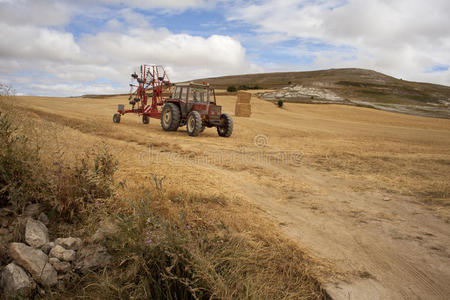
(366, 193)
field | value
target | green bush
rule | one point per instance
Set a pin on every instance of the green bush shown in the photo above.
(231, 89)
(242, 88)
(247, 87)
(280, 103)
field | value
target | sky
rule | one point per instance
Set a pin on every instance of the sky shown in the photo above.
(76, 47)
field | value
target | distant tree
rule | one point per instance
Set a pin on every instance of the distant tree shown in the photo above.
(248, 87)
(280, 103)
(231, 89)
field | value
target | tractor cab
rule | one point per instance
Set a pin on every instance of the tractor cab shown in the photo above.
(195, 93)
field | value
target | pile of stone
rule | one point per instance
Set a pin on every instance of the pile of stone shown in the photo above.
(243, 107)
(303, 94)
(41, 262)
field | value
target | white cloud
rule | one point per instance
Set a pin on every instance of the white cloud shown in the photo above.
(35, 43)
(49, 61)
(39, 56)
(36, 12)
(170, 4)
(401, 37)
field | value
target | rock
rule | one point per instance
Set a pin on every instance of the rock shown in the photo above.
(57, 252)
(62, 266)
(33, 210)
(36, 233)
(47, 247)
(91, 257)
(69, 255)
(63, 277)
(62, 254)
(53, 260)
(34, 261)
(16, 283)
(69, 243)
(43, 218)
(106, 230)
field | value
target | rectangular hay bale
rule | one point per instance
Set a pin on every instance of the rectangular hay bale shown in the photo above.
(243, 97)
(243, 110)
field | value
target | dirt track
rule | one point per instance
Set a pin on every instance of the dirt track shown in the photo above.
(342, 181)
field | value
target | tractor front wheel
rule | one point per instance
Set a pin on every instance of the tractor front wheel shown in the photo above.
(194, 123)
(225, 129)
(170, 117)
(145, 119)
(116, 118)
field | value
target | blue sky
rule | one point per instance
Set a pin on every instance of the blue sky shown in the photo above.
(64, 48)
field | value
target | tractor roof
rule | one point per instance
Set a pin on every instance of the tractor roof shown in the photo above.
(195, 84)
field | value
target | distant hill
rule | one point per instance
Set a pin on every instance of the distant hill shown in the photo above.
(345, 86)
(353, 86)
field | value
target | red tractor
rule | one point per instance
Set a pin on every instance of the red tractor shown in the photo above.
(190, 104)
(194, 105)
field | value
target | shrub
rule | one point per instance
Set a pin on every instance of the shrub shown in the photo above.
(158, 257)
(164, 250)
(73, 187)
(231, 89)
(21, 180)
(66, 189)
(280, 103)
(247, 87)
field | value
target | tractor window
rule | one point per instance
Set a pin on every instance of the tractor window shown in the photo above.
(198, 95)
(184, 93)
(177, 93)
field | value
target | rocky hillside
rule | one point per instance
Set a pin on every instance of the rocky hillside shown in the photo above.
(348, 86)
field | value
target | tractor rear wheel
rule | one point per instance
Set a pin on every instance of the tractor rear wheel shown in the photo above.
(225, 129)
(145, 119)
(170, 117)
(203, 128)
(194, 123)
(116, 118)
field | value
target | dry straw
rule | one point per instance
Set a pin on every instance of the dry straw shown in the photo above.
(243, 107)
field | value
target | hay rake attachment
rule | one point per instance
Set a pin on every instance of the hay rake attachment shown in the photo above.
(152, 81)
(191, 104)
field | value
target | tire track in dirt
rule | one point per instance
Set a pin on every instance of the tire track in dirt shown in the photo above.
(376, 266)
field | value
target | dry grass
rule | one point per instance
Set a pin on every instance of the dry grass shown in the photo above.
(367, 150)
(184, 246)
(203, 244)
(404, 154)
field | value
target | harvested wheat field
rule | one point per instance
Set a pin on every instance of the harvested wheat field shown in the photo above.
(364, 194)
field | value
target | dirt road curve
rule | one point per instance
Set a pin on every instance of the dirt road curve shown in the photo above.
(343, 181)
